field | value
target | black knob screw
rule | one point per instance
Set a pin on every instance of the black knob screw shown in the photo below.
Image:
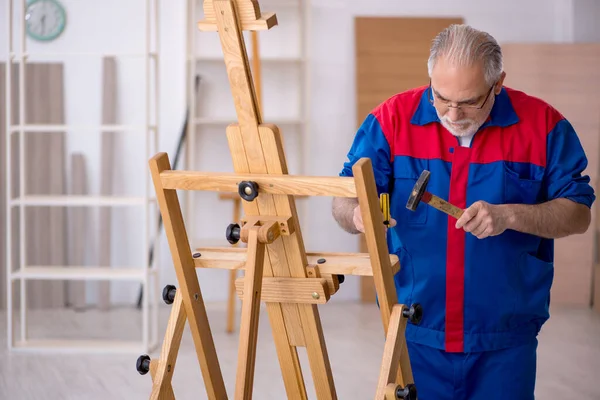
(248, 190)
(168, 294)
(414, 313)
(143, 364)
(407, 393)
(232, 233)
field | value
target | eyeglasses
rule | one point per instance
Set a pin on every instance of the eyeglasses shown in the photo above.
(459, 107)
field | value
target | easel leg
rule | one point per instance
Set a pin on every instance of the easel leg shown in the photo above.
(161, 388)
(189, 287)
(376, 243)
(317, 352)
(395, 347)
(287, 354)
(169, 395)
(250, 315)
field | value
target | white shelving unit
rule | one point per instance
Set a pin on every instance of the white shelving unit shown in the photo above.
(284, 64)
(148, 132)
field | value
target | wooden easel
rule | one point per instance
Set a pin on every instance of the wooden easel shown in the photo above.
(278, 270)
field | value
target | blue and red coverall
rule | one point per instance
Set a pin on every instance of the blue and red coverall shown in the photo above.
(484, 300)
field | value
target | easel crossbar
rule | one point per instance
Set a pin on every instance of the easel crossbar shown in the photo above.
(292, 185)
(357, 264)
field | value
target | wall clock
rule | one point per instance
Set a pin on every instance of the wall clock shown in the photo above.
(45, 20)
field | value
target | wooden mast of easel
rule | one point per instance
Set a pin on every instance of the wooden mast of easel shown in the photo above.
(257, 73)
(257, 148)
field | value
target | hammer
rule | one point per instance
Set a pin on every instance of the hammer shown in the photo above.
(419, 194)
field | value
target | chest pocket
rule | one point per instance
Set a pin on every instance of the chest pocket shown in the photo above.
(406, 175)
(522, 185)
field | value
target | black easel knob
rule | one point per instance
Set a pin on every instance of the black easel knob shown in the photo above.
(168, 294)
(248, 190)
(233, 233)
(143, 364)
(414, 313)
(407, 393)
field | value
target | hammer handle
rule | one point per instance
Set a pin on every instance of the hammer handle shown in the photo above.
(442, 205)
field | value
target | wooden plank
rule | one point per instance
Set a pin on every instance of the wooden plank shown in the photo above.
(249, 15)
(188, 280)
(291, 290)
(251, 154)
(107, 151)
(56, 152)
(358, 264)
(294, 185)
(395, 345)
(78, 222)
(36, 175)
(566, 75)
(252, 287)
(153, 368)
(377, 245)
(3, 168)
(391, 56)
(165, 368)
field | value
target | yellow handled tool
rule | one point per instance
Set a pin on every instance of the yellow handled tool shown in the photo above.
(384, 202)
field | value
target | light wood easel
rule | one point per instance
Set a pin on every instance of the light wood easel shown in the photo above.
(278, 270)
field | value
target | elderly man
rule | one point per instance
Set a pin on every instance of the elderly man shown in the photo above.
(515, 165)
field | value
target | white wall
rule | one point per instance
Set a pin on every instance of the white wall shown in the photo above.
(332, 109)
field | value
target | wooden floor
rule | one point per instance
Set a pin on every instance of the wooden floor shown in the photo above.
(569, 357)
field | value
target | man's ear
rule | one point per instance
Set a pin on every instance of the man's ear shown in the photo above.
(500, 82)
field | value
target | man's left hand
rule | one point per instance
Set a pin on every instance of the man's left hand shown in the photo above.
(483, 219)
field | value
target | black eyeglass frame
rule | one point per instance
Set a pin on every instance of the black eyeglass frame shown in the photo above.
(431, 99)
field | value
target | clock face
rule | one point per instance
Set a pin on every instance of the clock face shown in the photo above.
(45, 19)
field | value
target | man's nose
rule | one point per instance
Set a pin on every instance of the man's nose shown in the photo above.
(454, 114)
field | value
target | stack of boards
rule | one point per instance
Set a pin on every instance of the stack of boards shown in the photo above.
(55, 236)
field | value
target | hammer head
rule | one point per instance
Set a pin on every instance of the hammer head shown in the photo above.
(418, 190)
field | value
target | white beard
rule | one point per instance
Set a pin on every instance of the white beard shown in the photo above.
(467, 127)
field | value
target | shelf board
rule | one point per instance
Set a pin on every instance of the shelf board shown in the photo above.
(266, 60)
(29, 54)
(79, 346)
(41, 272)
(227, 121)
(71, 200)
(62, 128)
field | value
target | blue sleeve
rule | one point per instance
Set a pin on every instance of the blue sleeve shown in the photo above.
(566, 161)
(370, 142)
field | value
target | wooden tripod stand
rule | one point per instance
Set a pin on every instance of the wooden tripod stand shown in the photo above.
(278, 270)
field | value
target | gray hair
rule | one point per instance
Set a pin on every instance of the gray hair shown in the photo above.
(464, 45)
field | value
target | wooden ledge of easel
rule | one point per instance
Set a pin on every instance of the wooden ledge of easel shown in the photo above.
(290, 290)
(357, 264)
